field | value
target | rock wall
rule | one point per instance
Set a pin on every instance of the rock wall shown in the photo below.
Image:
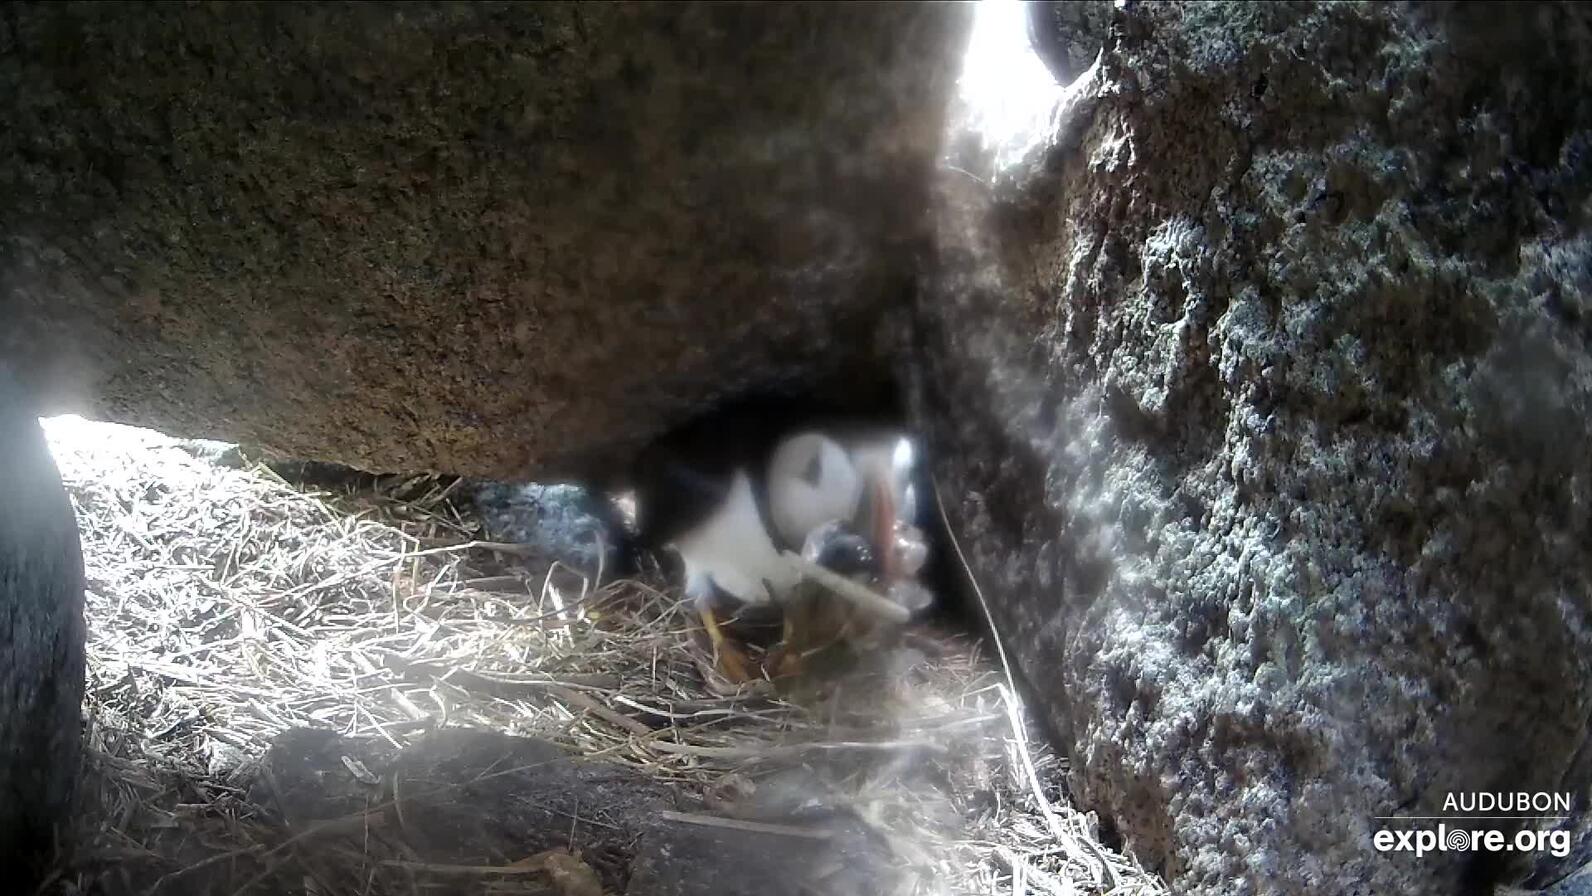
(41, 645)
(1260, 386)
(485, 238)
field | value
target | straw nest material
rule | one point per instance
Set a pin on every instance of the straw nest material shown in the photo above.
(227, 605)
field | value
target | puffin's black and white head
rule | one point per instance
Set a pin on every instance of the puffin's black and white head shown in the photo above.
(864, 485)
(731, 508)
(807, 482)
(812, 480)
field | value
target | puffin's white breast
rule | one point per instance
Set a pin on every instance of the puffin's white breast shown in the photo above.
(734, 549)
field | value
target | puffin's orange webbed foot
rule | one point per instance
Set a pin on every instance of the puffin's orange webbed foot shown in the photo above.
(728, 658)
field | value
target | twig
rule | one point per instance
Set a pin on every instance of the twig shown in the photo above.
(601, 711)
(492, 683)
(736, 824)
(785, 751)
(862, 597)
(1031, 875)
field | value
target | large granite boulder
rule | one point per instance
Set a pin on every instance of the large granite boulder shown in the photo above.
(485, 238)
(1260, 380)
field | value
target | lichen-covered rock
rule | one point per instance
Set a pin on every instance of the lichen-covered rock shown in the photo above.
(1261, 390)
(487, 238)
(1068, 34)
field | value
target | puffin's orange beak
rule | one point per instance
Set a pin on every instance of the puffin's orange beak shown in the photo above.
(881, 525)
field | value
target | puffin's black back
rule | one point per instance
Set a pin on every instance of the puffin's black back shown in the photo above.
(683, 476)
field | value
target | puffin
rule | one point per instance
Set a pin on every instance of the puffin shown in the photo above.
(735, 492)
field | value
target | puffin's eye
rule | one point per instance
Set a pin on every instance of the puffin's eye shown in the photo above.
(814, 471)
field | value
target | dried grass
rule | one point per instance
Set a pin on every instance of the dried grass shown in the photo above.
(226, 605)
